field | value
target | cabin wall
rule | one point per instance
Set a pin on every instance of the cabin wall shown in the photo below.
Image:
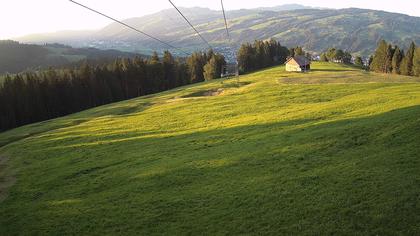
(291, 67)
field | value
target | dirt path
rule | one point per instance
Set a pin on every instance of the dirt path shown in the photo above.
(6, 178)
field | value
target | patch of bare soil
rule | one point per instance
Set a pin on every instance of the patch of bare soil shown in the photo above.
(214, 92)
(6, 178)
(207, 93)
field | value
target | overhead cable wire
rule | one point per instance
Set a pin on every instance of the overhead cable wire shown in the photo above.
(192, 26)
(130, 27)
(224, 16)
(230, 39)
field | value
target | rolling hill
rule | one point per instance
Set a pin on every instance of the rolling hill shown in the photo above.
(355, 30)
(16, 57)
(330, 152)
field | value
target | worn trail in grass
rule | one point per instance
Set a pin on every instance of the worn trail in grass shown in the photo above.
(333, 151)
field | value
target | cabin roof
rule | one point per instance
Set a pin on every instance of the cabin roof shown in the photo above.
(301, 60)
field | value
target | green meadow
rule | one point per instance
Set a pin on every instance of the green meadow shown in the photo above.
(335, 151)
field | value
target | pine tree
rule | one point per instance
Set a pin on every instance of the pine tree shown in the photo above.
(209, 55)
(292, 52)
(210, 69)
(260, 54)
(299, 51)
(246, 58)
(169, 80)
(213, 68)
(416, 62)
(389, 56)
(396, 60)
(407, 65)
(155, 74)
(324, 57)
(196, 64)
(154, 59)
(381, 58)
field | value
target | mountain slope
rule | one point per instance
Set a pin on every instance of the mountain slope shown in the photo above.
(356, 30)
(16, 57)
(333, 151)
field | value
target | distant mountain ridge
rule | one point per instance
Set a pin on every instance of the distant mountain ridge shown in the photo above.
(352, 29)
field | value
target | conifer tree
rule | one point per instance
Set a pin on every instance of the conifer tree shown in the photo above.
(396, 60)
(381, 58)
(246, 58)
(196, 64)
(416, 62)
(210, 69)
(213, 68)
(299, 51)
(154, 59)
(389, 55)
(323, 57)
(155, 74)
(292, 52)
(169, 80)
(407, 65)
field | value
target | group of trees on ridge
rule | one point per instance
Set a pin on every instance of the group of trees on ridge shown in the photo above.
(392, 59)
(387, 58)
(36, 96)
(262, 54)
(336, 55)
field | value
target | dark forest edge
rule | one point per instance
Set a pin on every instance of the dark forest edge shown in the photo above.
(36, 96)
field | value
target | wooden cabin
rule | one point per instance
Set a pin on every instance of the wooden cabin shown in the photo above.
(298, 64)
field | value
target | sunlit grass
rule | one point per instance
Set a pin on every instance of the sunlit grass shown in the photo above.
(333, 151)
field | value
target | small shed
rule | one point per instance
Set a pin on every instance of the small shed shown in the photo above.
(298, 64)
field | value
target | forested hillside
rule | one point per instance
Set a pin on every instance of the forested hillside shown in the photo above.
(16, 57)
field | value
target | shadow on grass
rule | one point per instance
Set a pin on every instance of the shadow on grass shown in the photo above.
(298, 177)
(270, 131)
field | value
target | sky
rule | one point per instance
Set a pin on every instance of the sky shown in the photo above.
(23, 17)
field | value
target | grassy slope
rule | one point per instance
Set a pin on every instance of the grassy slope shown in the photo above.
(318, 153)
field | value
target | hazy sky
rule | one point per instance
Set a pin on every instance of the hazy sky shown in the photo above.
(21, 17)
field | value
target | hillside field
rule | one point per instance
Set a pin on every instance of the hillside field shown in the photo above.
(335, 151)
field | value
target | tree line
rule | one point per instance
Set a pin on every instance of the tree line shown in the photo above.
(262, 54)
(392, 59)
(36, 96)
(336, 55)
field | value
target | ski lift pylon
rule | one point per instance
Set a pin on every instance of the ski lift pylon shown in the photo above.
(230, 70)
